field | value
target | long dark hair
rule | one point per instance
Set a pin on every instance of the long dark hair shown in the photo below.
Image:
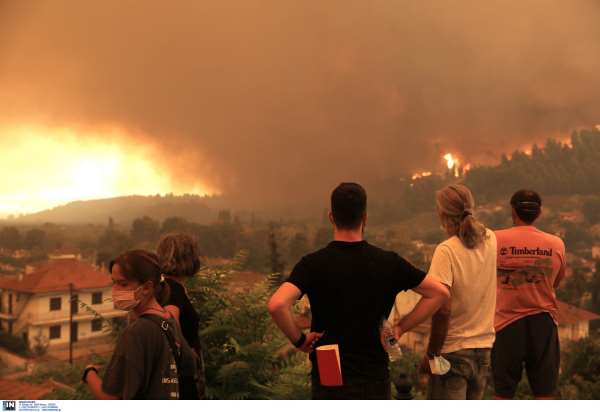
(141, 265)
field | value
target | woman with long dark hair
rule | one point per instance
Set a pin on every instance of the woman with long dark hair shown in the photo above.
(151, 353)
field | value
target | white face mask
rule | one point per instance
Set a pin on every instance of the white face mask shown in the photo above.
(439, 365)
(125, 299)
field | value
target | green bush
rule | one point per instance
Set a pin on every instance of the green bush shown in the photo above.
(580, 375)
(69, 375)
(14, 344)
(244, 351)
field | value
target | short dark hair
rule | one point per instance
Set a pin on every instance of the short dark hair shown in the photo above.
(527, 205)
(348, 205)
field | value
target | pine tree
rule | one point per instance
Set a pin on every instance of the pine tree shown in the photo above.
(275, 257)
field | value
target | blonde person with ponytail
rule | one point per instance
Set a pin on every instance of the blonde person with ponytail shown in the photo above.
(144, 364)
(462, 330)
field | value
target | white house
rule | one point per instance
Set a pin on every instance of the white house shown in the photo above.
(64, 253)
(573, 322)
(41, 301)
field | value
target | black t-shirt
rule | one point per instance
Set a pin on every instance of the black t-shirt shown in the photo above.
(190, 325)
(350, 285)
(188, 317)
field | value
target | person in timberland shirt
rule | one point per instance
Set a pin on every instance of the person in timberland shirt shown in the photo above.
(531, 264)
(462, 331)
(350, 285)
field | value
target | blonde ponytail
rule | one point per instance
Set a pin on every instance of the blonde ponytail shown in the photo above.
(457, 204)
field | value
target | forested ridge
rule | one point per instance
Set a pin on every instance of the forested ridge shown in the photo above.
(552, 169)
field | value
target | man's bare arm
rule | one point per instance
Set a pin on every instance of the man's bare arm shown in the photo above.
(279, 308)
(434, 294)
(440, 323)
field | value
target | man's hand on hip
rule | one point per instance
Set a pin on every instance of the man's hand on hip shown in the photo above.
(311, 341)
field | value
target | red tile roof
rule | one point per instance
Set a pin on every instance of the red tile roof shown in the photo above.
(568, 314)
(13, 389)
(38, 264)
(56, 276)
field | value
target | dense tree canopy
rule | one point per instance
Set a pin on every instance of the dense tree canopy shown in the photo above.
(10, 238)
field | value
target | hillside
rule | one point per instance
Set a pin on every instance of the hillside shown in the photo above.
(125, 209)
(554, 169)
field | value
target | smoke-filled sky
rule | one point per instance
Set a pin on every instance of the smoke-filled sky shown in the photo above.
(277, 101)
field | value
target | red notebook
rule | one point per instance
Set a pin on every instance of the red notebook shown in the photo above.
(330, 369)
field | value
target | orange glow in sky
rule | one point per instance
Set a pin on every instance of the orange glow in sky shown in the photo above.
(45, 168)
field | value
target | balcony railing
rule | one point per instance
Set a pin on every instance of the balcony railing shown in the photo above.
(64, 315)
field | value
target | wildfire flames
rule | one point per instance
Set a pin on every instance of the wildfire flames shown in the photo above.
(420, 175)
(451, 162)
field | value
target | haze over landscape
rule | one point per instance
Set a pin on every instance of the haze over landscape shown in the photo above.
(272, 103)
(122, 121)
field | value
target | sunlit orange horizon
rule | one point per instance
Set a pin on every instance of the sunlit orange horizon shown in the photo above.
(43, 168)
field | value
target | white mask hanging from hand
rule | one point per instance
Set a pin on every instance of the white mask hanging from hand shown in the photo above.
(438, 365)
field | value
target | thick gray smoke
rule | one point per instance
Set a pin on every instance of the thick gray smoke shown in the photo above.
(275, 101)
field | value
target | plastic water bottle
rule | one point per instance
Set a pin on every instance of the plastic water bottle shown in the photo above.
(391, 344)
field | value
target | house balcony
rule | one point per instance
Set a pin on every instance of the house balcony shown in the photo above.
(63, 316)
(8, 316)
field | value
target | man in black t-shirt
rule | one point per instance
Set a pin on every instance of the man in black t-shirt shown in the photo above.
(350, 285)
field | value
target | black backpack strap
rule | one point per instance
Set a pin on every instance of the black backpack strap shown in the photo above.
(164, 325)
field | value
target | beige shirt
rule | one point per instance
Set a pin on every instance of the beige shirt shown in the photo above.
(471, 275)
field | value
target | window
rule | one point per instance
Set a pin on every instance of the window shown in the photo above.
(96, 325)
(55, 332)
(55, 303)
(96, 298)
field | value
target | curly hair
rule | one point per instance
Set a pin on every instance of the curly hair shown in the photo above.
(178, 254)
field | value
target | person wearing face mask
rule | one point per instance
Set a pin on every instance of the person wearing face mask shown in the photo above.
(143, 364)
(457, 359)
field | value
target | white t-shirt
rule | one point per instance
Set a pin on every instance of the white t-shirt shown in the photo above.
(471, 275)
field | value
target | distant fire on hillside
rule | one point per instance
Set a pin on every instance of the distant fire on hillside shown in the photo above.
(452, 163)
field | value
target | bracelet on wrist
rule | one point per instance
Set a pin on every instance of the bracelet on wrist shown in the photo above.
(300, 341)
(86, 371)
